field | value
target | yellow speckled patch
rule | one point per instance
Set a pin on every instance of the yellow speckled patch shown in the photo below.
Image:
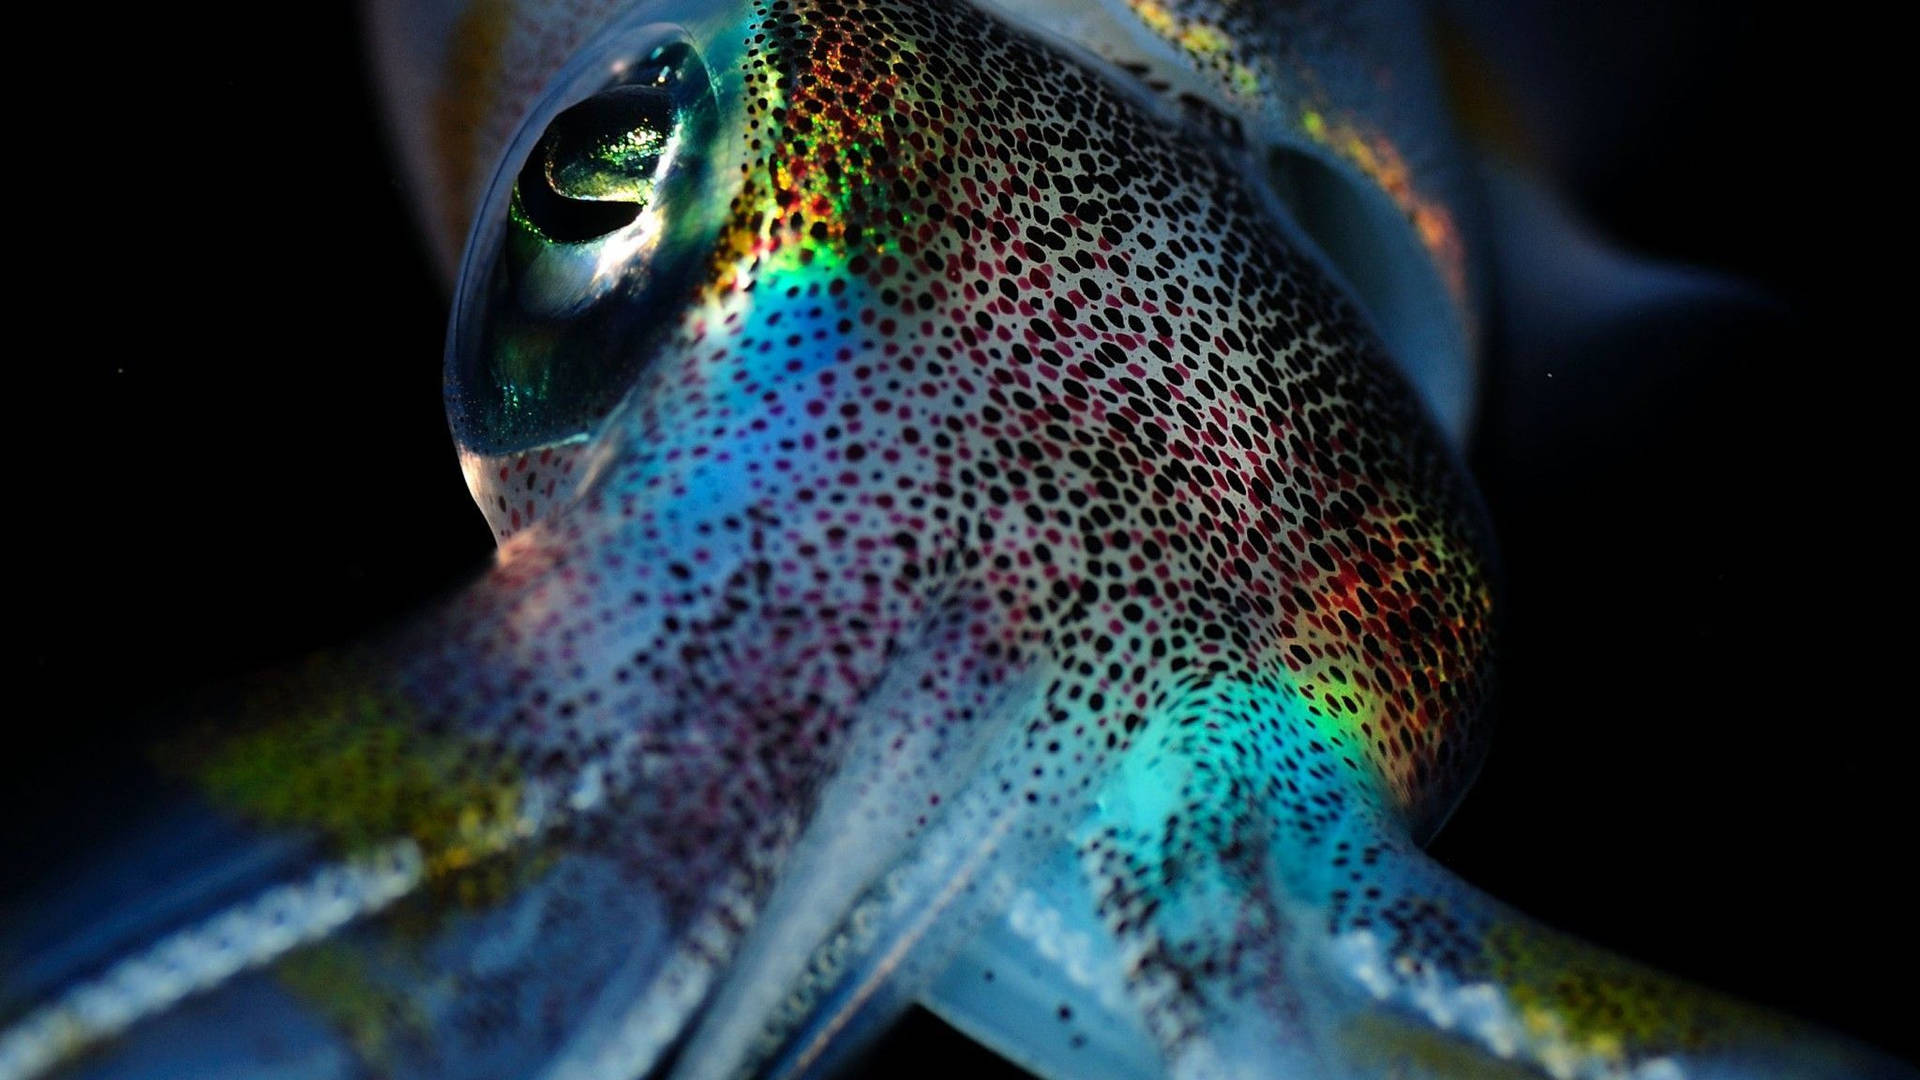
(1209, 46)
(1606, 1006)
(326, 751)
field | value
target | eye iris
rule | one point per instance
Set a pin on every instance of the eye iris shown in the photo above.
(593, 170)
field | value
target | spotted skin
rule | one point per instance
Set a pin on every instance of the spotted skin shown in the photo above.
(1268, 66)
(1010, 481)
(515, 490)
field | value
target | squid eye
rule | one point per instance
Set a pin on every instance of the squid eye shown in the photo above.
(591, 234)
(592, 172)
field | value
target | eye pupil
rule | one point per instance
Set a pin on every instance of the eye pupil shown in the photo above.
(593, 170)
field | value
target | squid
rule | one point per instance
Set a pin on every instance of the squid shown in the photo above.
(981, 525)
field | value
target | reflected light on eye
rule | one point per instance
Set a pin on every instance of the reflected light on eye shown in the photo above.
(617, 252)
(640, 238)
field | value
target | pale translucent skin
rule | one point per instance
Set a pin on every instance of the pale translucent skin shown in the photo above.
(666, 815)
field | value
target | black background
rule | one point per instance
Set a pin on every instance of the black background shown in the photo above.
(229, 449)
